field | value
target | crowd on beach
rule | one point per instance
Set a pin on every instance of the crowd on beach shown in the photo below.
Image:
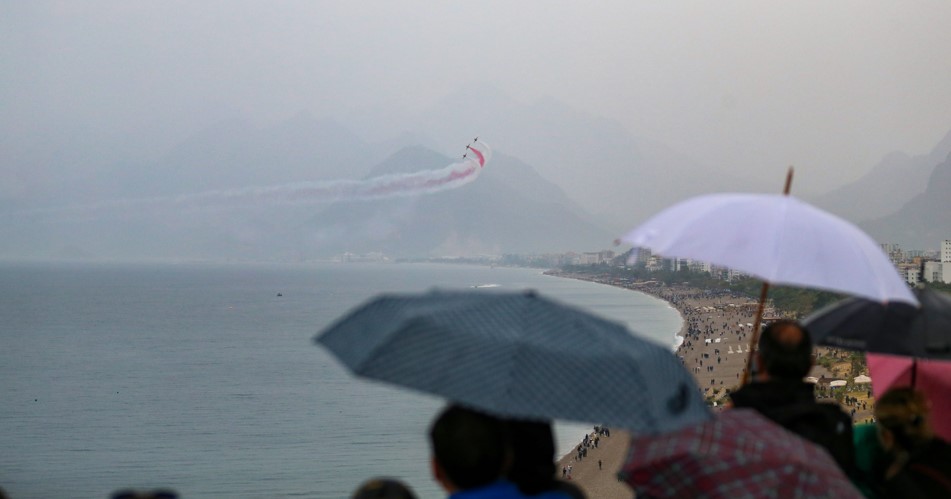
(715, 347)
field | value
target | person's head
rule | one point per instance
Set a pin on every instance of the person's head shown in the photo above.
(902, 417)
(383, 488)
(533, 455)
(469, 448)
(785, 351)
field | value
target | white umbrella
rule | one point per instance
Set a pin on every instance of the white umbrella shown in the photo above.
(838, 382)
(862, 379)
(777, 238)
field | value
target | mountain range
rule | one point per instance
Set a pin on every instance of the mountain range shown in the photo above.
(561, 180)
(618, 177)
(895, 180)
(509, 208)
(923, 221)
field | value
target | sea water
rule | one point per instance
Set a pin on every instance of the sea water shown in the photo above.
(205, 378)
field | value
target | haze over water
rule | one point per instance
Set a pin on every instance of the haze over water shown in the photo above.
(201, 378)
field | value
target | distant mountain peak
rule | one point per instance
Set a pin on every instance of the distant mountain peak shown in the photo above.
(410, 159)
(922, 222)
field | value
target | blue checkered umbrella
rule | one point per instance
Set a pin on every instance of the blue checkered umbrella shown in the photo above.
(518, 355)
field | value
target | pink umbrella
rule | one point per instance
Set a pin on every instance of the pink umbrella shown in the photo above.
(739, 453)
(933, 377)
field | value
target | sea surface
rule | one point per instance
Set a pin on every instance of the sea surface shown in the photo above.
(202, 378)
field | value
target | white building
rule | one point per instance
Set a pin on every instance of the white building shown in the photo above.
(911, 274)
(932, 272)
(946, 261)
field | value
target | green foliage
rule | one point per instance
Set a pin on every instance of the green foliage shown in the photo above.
(857, 360)
(797, 301)
(940, 286)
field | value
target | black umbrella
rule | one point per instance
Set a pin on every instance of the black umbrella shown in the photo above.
(518, 355)
(894, 328)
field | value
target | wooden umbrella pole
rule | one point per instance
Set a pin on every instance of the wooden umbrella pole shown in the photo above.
(788, 181)
(754, 335)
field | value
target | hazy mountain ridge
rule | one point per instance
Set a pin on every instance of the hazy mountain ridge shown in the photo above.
(509, 208)
(925, 220)
(611, 173)
(891, 183)
(548, 156)
(235, 154)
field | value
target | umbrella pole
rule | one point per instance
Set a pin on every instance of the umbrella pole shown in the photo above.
(762, 303)
(754, 335)
(914, 371)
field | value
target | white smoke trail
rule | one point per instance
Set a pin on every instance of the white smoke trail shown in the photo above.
(385, 186)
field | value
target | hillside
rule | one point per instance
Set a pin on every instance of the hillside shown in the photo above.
(924, 221)
(508, 209)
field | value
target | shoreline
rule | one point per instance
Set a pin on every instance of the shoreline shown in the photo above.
(724, 319)
(713, 343)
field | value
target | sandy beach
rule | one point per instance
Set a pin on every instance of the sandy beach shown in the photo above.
(715, 344)
(716, 334)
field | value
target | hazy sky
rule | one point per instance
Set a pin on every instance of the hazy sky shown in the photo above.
(827, 86)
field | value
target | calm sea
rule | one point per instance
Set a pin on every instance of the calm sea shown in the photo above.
(202, 378)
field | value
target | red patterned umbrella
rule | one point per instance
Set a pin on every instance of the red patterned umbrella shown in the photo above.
(739, 454)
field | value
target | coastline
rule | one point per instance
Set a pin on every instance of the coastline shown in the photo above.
(713, 343)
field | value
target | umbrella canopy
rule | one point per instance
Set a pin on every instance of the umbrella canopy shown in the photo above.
(518, 355)
(739, 454)
(890, 328)
(776, 238)
(933, 377)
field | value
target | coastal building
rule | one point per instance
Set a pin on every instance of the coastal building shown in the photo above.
(946, 261)
(595, 257)
(698, 266)
(644, 255)
(911, 273)
(894, 252)
(653, 264)
(735, 274)
(932, 272)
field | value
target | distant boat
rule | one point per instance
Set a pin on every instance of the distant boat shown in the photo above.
(280, 294)
(486, 286)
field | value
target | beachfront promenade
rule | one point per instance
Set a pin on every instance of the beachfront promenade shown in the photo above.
(716, 335)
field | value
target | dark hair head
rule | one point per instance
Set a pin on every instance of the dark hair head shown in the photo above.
(904, 412)
(470, 446)
(383, 488)
(786, 349)
(533, 456)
